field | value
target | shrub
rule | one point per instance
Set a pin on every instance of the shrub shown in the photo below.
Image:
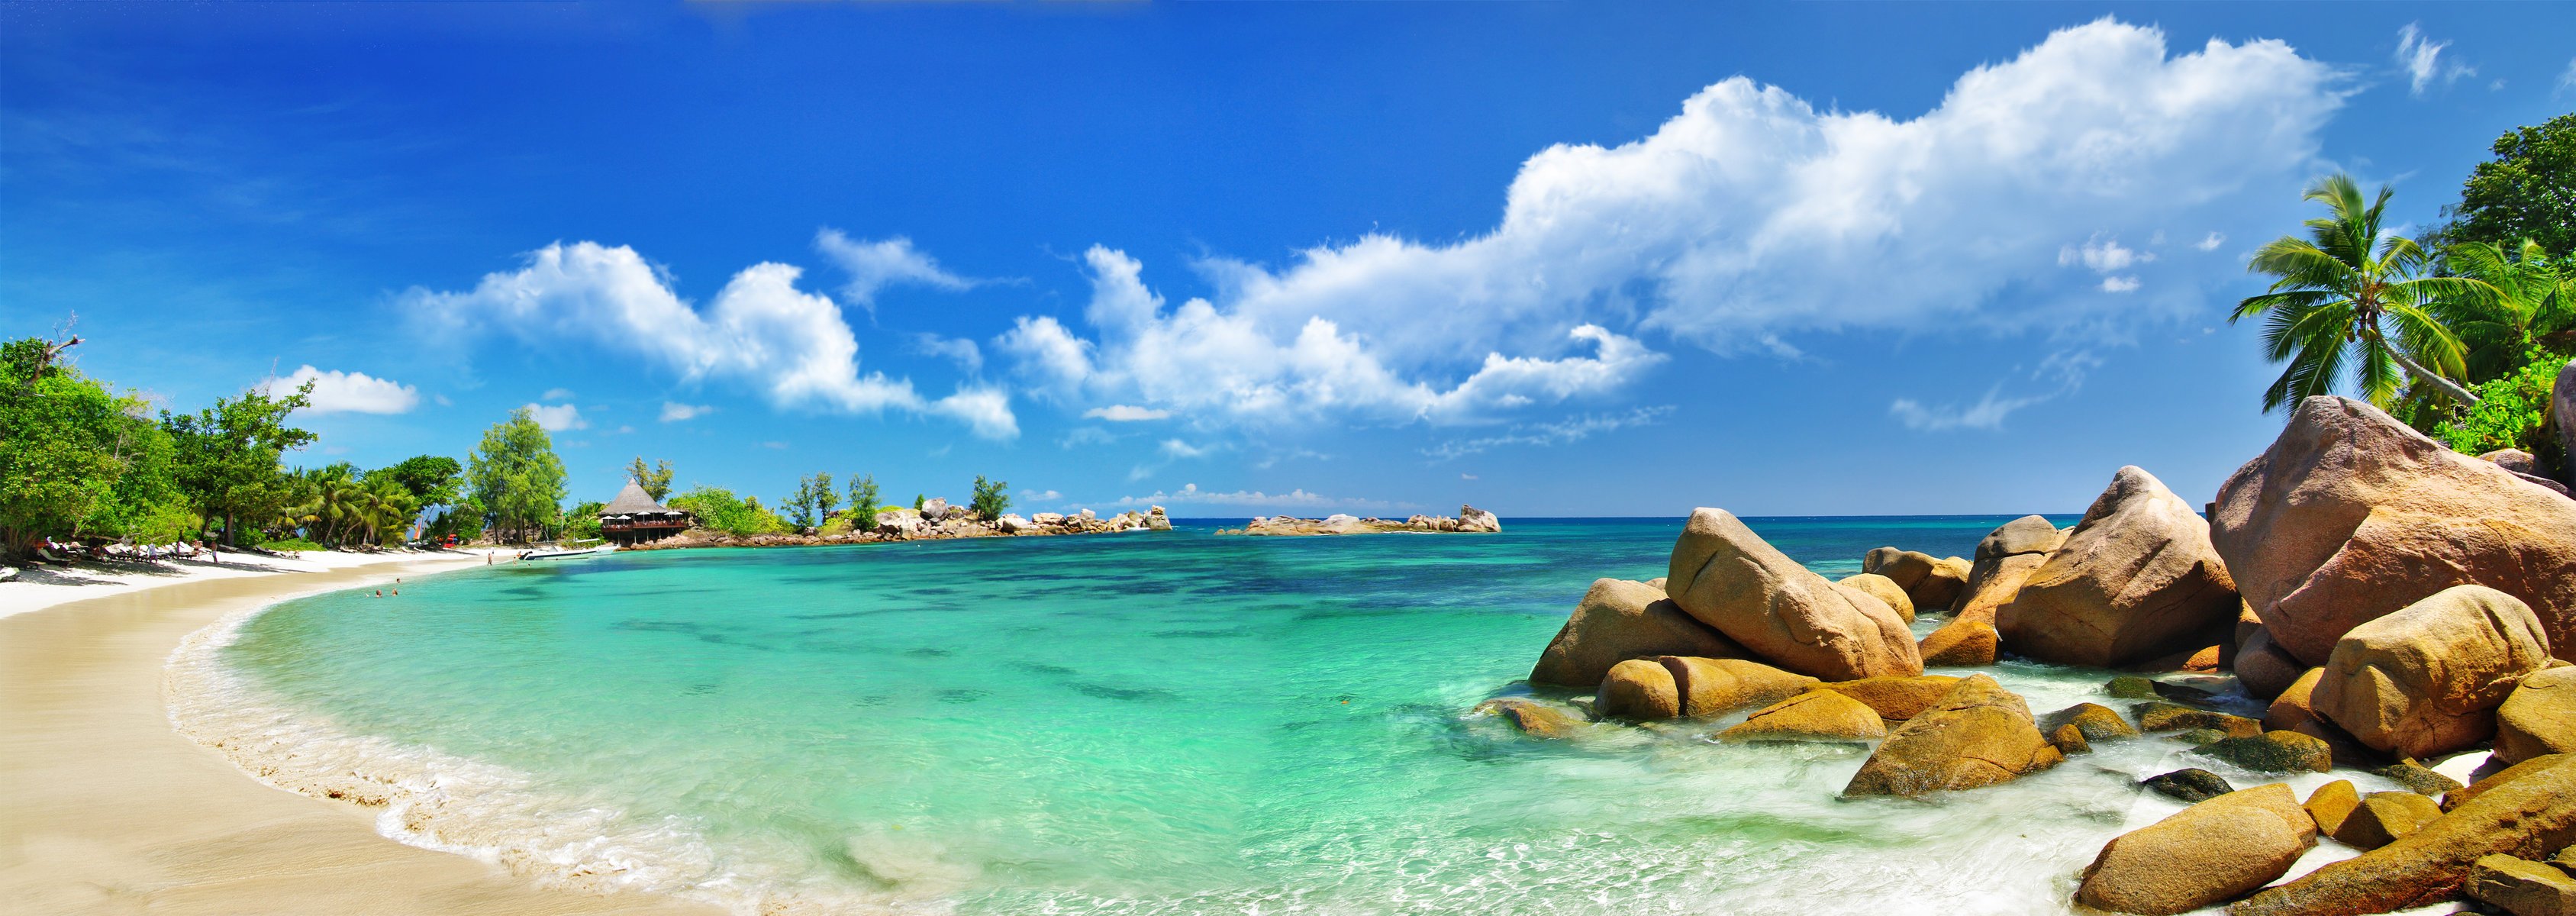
(718, 509)
(293, 543)
(2512, 412)
(991, 498)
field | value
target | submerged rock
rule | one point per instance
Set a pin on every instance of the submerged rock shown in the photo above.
(1729, 578)
(2190, 784)
(1619, 620)
(2416, 777)
(2096, 721)
(2272, 752)
(2350, 516)
(2426, 679)
(2539, 717)
(1978, 734)
(2131, 687)
(1817, 715)
(1536, 719)
(2159, 716)
(2528, 816)
(2136, 580)
(2210, 852)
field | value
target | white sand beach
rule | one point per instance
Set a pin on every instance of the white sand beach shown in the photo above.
(105, 809)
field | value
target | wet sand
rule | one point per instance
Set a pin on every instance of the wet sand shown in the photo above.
(105, 809)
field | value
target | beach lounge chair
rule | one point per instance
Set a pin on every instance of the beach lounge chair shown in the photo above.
(49, 557)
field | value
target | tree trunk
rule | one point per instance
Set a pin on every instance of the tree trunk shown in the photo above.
(2446, 386)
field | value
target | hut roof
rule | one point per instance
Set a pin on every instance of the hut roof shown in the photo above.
(633, 501)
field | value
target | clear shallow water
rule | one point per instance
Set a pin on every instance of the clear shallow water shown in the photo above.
(1145, 723)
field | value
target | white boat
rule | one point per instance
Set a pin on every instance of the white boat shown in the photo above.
(559, 553)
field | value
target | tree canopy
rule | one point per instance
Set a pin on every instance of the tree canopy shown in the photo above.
(80, 460)
(656, 480)
(229, 457)
(2528, 191)
(517, 478)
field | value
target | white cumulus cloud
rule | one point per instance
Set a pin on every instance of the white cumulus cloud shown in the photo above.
(1749, 218)
(345, 392)
(558, 417)
(761, 330)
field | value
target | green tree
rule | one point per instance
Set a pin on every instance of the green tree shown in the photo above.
(583, 523)
(813, 500)
(992, 498)
(228, 457)
(432, 480)
(2528, 191)
(2519, 298)
(656, 480)
(863, 502)
(77, 458)
(2349, 300)
(517, 478)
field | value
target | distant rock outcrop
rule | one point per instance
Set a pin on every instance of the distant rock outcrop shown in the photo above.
(1469, 520)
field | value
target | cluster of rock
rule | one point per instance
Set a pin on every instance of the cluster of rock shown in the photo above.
(2390, 599)
(935, 520)
(1469, 520)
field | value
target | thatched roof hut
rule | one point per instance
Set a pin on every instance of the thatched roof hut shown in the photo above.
(633, 517)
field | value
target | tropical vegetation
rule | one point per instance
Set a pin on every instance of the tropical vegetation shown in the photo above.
(2460, 331)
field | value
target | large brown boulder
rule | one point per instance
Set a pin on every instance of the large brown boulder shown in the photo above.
(1638, 689)
(1883, 589)
(2350, 515)
(2562, 403)
(1963, 642)
(2385, 817)
(1818, 715)
(2005, 558)
(2529, 817)
(1713, 686)
(2539, 717)
(2426, 679)
(2135, 580)
(1727, 577)
(2292, 707)
(2266, 669)
(1619, 620)
(1896, 698)
(1979, 734)
(2212, 851)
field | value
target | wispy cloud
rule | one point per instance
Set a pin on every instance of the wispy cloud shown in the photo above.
(2421, 58)
(874, 265)
(1190, 494)
(675, 412)
(2211, 242)
(2062, 372)
(968, 357)
(1570, 429)
(1122, 413)
(556, 394)
(345, 392)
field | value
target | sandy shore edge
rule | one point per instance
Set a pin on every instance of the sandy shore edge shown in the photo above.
(105, 808)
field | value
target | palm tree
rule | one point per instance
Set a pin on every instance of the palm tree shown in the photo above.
(2340, 295)
(2521, 298)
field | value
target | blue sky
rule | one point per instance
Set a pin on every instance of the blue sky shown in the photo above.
(1550, 259)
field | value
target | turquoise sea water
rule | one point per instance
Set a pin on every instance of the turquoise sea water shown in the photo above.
(1148, 723)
